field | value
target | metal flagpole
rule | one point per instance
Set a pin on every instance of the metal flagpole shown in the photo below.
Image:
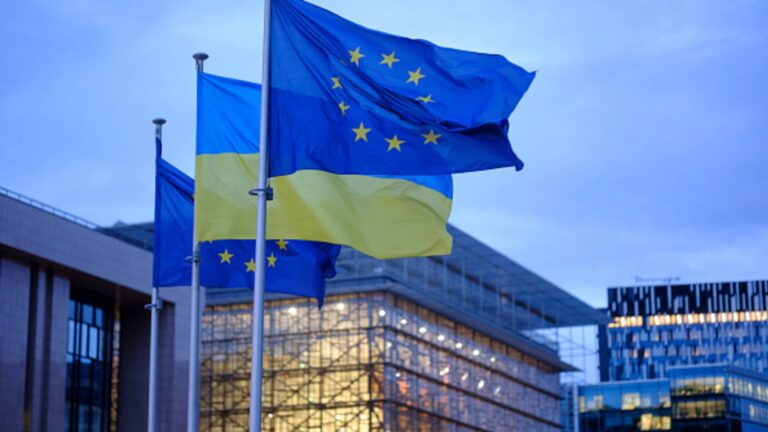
(154, 307)
(257, 345)
(193, 404)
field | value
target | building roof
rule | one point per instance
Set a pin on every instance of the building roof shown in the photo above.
(554, 306)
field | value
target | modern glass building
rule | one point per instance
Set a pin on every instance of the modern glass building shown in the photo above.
(457, 343)
(654, 328)
(625, 406)
(718, 398)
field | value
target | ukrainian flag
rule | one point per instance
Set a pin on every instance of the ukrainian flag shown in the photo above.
(382, 216)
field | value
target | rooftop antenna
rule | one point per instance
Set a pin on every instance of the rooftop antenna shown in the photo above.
(666, 280)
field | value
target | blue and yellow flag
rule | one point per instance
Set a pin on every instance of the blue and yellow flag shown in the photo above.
(293, 266)
(382, 216)
(350, 100)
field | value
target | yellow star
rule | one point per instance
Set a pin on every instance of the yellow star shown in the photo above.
(415, 76)
(250, 266)
(225, 257)
(361, 133)
(394, 143)
(271, 260)
(426, 99)
(431, 137)
(282, 244)
(343, 108)
(389, 60)
(356, 55)
(336, 82)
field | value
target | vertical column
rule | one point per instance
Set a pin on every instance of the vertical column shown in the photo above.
(14, 309)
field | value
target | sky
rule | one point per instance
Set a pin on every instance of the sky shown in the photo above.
(645, 132)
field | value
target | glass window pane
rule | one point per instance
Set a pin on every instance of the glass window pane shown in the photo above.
(99, 318)
(71, 336)
(93, 343)
(83, 339)
(87, 314)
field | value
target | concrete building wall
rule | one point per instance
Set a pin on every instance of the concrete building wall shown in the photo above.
(14, 312)
(43, 258)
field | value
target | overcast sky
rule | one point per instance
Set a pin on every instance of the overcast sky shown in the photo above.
(645, 133)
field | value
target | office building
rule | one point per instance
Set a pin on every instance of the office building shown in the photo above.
(685, 357)
(717, 398)
(74, 334)
(654, 328)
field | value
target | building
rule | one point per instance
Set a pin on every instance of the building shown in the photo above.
(457, 343)
(466, 342)
(684, 357)
(74, 332)
(625, 406)
(654, 328)
(718, 398)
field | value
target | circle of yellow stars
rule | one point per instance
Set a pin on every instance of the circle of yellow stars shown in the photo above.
(250, 266)
(414, 77)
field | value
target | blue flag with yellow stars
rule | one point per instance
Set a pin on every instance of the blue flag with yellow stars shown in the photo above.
(351, 100)
(293, 266)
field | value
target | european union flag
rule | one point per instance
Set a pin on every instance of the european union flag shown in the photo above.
(293, 266)
(351, 100)
(174, 192)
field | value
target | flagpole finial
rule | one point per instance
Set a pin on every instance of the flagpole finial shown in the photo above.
(159, 122)
(200, 57)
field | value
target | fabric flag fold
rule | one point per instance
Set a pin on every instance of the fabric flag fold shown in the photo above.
(293, 266)
(351, 100)
(382, 216)
(174, 192)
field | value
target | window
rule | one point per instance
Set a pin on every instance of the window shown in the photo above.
(89, 352)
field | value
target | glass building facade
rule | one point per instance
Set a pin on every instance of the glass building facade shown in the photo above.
(625, 406)
(716, 398)
(659, 327)
(457, 343)
(370, 362)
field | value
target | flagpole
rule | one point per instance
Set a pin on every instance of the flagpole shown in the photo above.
(154, 307)
(257, 343)
(193, 404)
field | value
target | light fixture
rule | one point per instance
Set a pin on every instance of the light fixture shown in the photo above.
(464, 376)
(403, 321)
(459, 345)
(382, 312)
(340, 306)
(497, 391)
(292, 310)
(422, 329)
(493, 359)
(397, 375)
(481, 384)
(475, 352)
(441, 338)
